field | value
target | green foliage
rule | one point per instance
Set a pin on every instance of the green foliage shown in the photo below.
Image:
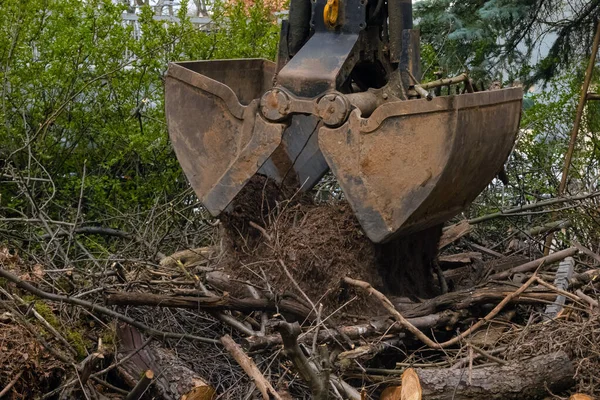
(80, 344)
(82, 101)
(501, 39)
(44, 310)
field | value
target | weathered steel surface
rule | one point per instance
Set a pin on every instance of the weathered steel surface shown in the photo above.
(415, 164)
(298, 161)
(221, 140)
(410, 165)
(218, 136)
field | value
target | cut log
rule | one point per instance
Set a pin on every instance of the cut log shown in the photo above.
(173, 379)
(529, 379)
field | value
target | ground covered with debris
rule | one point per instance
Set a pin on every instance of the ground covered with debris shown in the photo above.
(291, 300)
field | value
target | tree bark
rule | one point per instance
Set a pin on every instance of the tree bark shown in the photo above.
(529, 379)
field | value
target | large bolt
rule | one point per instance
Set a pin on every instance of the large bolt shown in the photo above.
(333, 109)
(275, 105)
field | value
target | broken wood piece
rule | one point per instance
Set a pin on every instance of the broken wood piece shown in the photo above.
(461, 258)
(581, 279)
(593, 303)
(212, 303)
(530, 266)
(88, 365)
(485, 250)
(527, 379)
(422, 92)
(454, 232)
(262, 384)
(188, 257)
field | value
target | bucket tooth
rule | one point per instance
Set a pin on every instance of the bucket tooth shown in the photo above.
(415, 164)
(298, 161)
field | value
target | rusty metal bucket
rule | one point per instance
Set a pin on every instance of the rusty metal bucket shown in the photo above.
(408, 166)
(220, 139)
(414, 164)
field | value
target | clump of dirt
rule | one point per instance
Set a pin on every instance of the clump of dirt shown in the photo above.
(318, 245)
(254, 203)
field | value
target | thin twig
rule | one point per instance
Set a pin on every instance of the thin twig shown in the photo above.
(11, 384)
(488, 355)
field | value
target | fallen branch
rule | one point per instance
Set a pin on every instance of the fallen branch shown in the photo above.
(99, 230)
(213, 303)
(464, 299)
(420, 335)
(530, 266)
(590, 301)
(11, 384)
(315, 378)
(544, 229)
(374, 328)
(586, 251)
(453, 233)
(262, 384)
(511, 211)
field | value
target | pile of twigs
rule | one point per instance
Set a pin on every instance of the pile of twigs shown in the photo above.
(186, 326)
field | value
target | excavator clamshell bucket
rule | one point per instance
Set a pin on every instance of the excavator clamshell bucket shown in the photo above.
(415, 164)
(219, 137)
